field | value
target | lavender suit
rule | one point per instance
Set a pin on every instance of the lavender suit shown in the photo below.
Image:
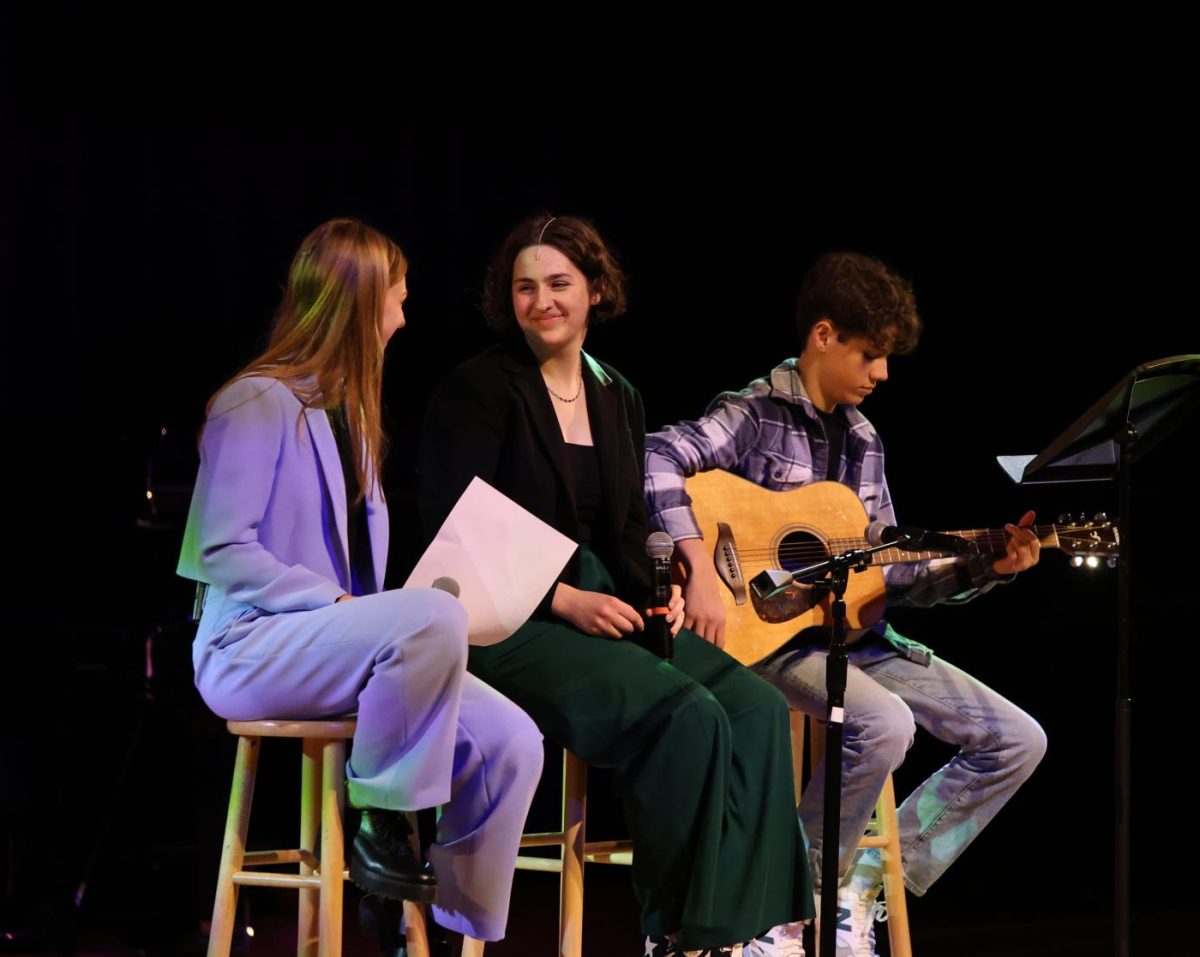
(267, 530)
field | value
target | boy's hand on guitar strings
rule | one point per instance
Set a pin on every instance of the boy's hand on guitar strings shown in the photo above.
(1022, 549)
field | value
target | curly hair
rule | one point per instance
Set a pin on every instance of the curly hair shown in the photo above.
(575, 238)
(861, 297)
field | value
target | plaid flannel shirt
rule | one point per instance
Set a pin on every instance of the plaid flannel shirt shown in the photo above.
(770, 434)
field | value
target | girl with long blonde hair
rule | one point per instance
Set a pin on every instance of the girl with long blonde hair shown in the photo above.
(288, 529)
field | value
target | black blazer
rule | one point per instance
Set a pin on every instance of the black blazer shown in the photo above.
(492, 417)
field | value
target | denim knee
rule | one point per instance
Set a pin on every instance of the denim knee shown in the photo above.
(1024, 745)
(886, 734)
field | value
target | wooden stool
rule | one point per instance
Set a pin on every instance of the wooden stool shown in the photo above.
(320, 879)
(576, 850)
(883, 832)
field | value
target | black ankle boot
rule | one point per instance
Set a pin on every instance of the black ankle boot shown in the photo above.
(382, 860)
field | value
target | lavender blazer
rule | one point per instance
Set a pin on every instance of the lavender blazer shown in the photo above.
(267, 525)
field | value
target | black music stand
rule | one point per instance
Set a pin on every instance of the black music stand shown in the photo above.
(1102, 444)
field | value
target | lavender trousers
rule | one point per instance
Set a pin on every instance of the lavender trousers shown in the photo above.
(428, 733)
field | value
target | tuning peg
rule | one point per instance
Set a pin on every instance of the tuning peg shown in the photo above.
(1100, 517)
(1064, 520)
(1111, 561)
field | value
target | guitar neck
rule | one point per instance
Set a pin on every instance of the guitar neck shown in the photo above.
(985, 541)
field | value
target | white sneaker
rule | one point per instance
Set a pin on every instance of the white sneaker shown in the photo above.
(857, 913)
(664, 947)
(785, 940)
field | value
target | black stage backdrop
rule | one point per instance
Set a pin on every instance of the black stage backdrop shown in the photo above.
(1024, 170)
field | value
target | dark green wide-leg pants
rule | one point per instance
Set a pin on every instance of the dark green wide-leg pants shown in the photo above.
(702, 755)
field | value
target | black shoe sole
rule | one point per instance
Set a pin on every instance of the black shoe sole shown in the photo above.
(390, 887)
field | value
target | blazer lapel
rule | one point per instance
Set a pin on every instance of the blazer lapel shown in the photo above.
(378, 529)
(331, 466)
(604, 414)
(532, 389)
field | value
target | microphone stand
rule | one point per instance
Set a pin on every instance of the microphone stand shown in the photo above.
(838, 569)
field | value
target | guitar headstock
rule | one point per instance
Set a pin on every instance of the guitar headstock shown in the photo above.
(1089, 541)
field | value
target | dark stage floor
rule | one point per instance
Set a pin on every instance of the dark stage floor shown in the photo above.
(610, 929)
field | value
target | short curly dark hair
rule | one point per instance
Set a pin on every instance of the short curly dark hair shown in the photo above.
(861, 297)
(575, 238)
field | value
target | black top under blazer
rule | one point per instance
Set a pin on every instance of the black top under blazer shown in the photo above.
(492, 417)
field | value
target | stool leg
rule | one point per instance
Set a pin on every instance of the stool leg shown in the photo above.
(233, 850)
(416, 930)
(893, 874)
(307, 929)
(574, 822)
(797, 719)
(333, 853)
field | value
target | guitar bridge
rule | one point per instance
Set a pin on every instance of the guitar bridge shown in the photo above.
(729, 568)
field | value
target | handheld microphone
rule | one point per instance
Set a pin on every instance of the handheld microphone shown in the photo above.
(909, 538)
(657, 636)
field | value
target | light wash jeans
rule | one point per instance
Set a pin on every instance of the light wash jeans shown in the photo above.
(887, 697)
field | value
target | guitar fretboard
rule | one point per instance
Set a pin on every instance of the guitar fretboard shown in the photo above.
(986, 541)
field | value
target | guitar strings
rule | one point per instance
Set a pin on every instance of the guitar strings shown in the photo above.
(816, 550)
(813, 549)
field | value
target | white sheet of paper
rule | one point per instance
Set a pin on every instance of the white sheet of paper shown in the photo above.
(503, 558)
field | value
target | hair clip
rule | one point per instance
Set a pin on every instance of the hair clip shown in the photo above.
(537, 252)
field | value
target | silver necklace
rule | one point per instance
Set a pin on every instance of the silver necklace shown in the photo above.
(578, 391)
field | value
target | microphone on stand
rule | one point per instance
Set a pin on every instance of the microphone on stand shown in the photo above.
(657, 637)
(909, 538)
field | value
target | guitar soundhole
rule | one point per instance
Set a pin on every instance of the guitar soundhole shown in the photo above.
(799, 549)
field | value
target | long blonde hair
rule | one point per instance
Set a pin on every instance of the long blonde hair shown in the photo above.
(326, 342)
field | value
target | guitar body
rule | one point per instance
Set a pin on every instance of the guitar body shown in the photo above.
(751, 529)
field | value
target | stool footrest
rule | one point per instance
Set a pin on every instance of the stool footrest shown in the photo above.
(544, 839)
(265, 858)
(594, 850)
(272, 879)
(546, 864)
(624, 858)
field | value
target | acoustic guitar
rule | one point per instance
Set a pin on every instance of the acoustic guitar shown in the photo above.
(753, 530)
